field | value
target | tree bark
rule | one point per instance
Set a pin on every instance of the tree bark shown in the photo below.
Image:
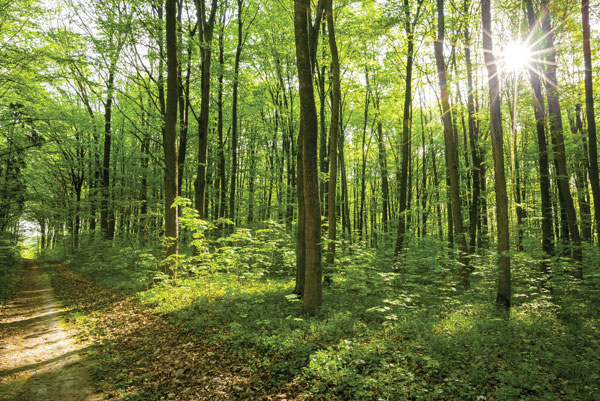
(333, 134)
(589, 112)
(556, 129)
(234, 114)
(451, 152)
(581, 179)
(309, 125)
(170, 139)
(206, 28)
(406, 130)
(503, 297)
(107, 233)
(184, 103)
(474, 213)
(222, 177)
(540, 125)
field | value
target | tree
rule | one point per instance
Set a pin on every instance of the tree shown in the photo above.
(556, 130)
(304, 35)
(540, 126)
(451, 151)
(333, 134)
(205, 33)
(503, 297)
(589, 112)
(409, 28)
(170, 135)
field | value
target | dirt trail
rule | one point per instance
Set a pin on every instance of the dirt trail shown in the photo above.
(39, 356)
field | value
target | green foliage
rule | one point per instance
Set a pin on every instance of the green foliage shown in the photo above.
(10, 265)
(125, 268)
(389, 331)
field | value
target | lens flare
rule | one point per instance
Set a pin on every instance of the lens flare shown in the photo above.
(516, 56)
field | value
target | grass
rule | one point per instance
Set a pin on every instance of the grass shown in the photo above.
(390, 332)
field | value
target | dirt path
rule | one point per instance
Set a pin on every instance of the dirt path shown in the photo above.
(39, 356)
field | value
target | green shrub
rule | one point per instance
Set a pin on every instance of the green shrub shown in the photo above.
(10, 265)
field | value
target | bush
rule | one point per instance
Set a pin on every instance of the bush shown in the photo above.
(10, 265)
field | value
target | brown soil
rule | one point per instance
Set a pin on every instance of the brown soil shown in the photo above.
(40, 358)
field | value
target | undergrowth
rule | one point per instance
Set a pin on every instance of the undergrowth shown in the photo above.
(10, 266)
(387, 330)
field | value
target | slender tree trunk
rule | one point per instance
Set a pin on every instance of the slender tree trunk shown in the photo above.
(474, 215)
(251, 180)
(451, 152)
(540, 124)
(234, 113)
(323, 164)
(104, 211)
(503, 297)
(556, 129)
(424, 209)
(206, 28)
(385, 189)
(170, 139)
(184, 106)
(222, 177)
(590, 115)
(345, 201)
(406, 130)
(516, 177)
(581, 179)
(144, 190)
(363, 187)
(333, 135)
(436, 184)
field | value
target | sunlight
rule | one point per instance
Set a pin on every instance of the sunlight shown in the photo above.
(516, 56)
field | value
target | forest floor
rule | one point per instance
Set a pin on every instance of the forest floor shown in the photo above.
(41, 357)
(241, 336)
(131, 352)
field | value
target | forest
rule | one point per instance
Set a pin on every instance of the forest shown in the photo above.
(299, 200)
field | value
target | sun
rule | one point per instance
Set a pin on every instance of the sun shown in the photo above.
(516, 56)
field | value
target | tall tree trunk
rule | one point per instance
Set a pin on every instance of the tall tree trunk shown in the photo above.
(424, 209)
(503, 297)
(304, 35)
(234, 113)
(107, 233)
(170, 138)
(301, 225)
(323, 164)
(333, 134)
(474, 215)
(143, 218)
(451, 152)
(222, 177)
(581, 179)
(385, 189)
(206, 28)
(540, 125)
(436, 184)
(361, 216)
(184, 108)
(556, 129)
(251, 180)
(516, 176)
(345, 201)
(406, 129)
(589, 112)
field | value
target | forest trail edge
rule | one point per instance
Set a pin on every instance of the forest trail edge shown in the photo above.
(40, 358)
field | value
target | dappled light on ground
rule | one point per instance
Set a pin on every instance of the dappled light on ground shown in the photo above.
(41, 358)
